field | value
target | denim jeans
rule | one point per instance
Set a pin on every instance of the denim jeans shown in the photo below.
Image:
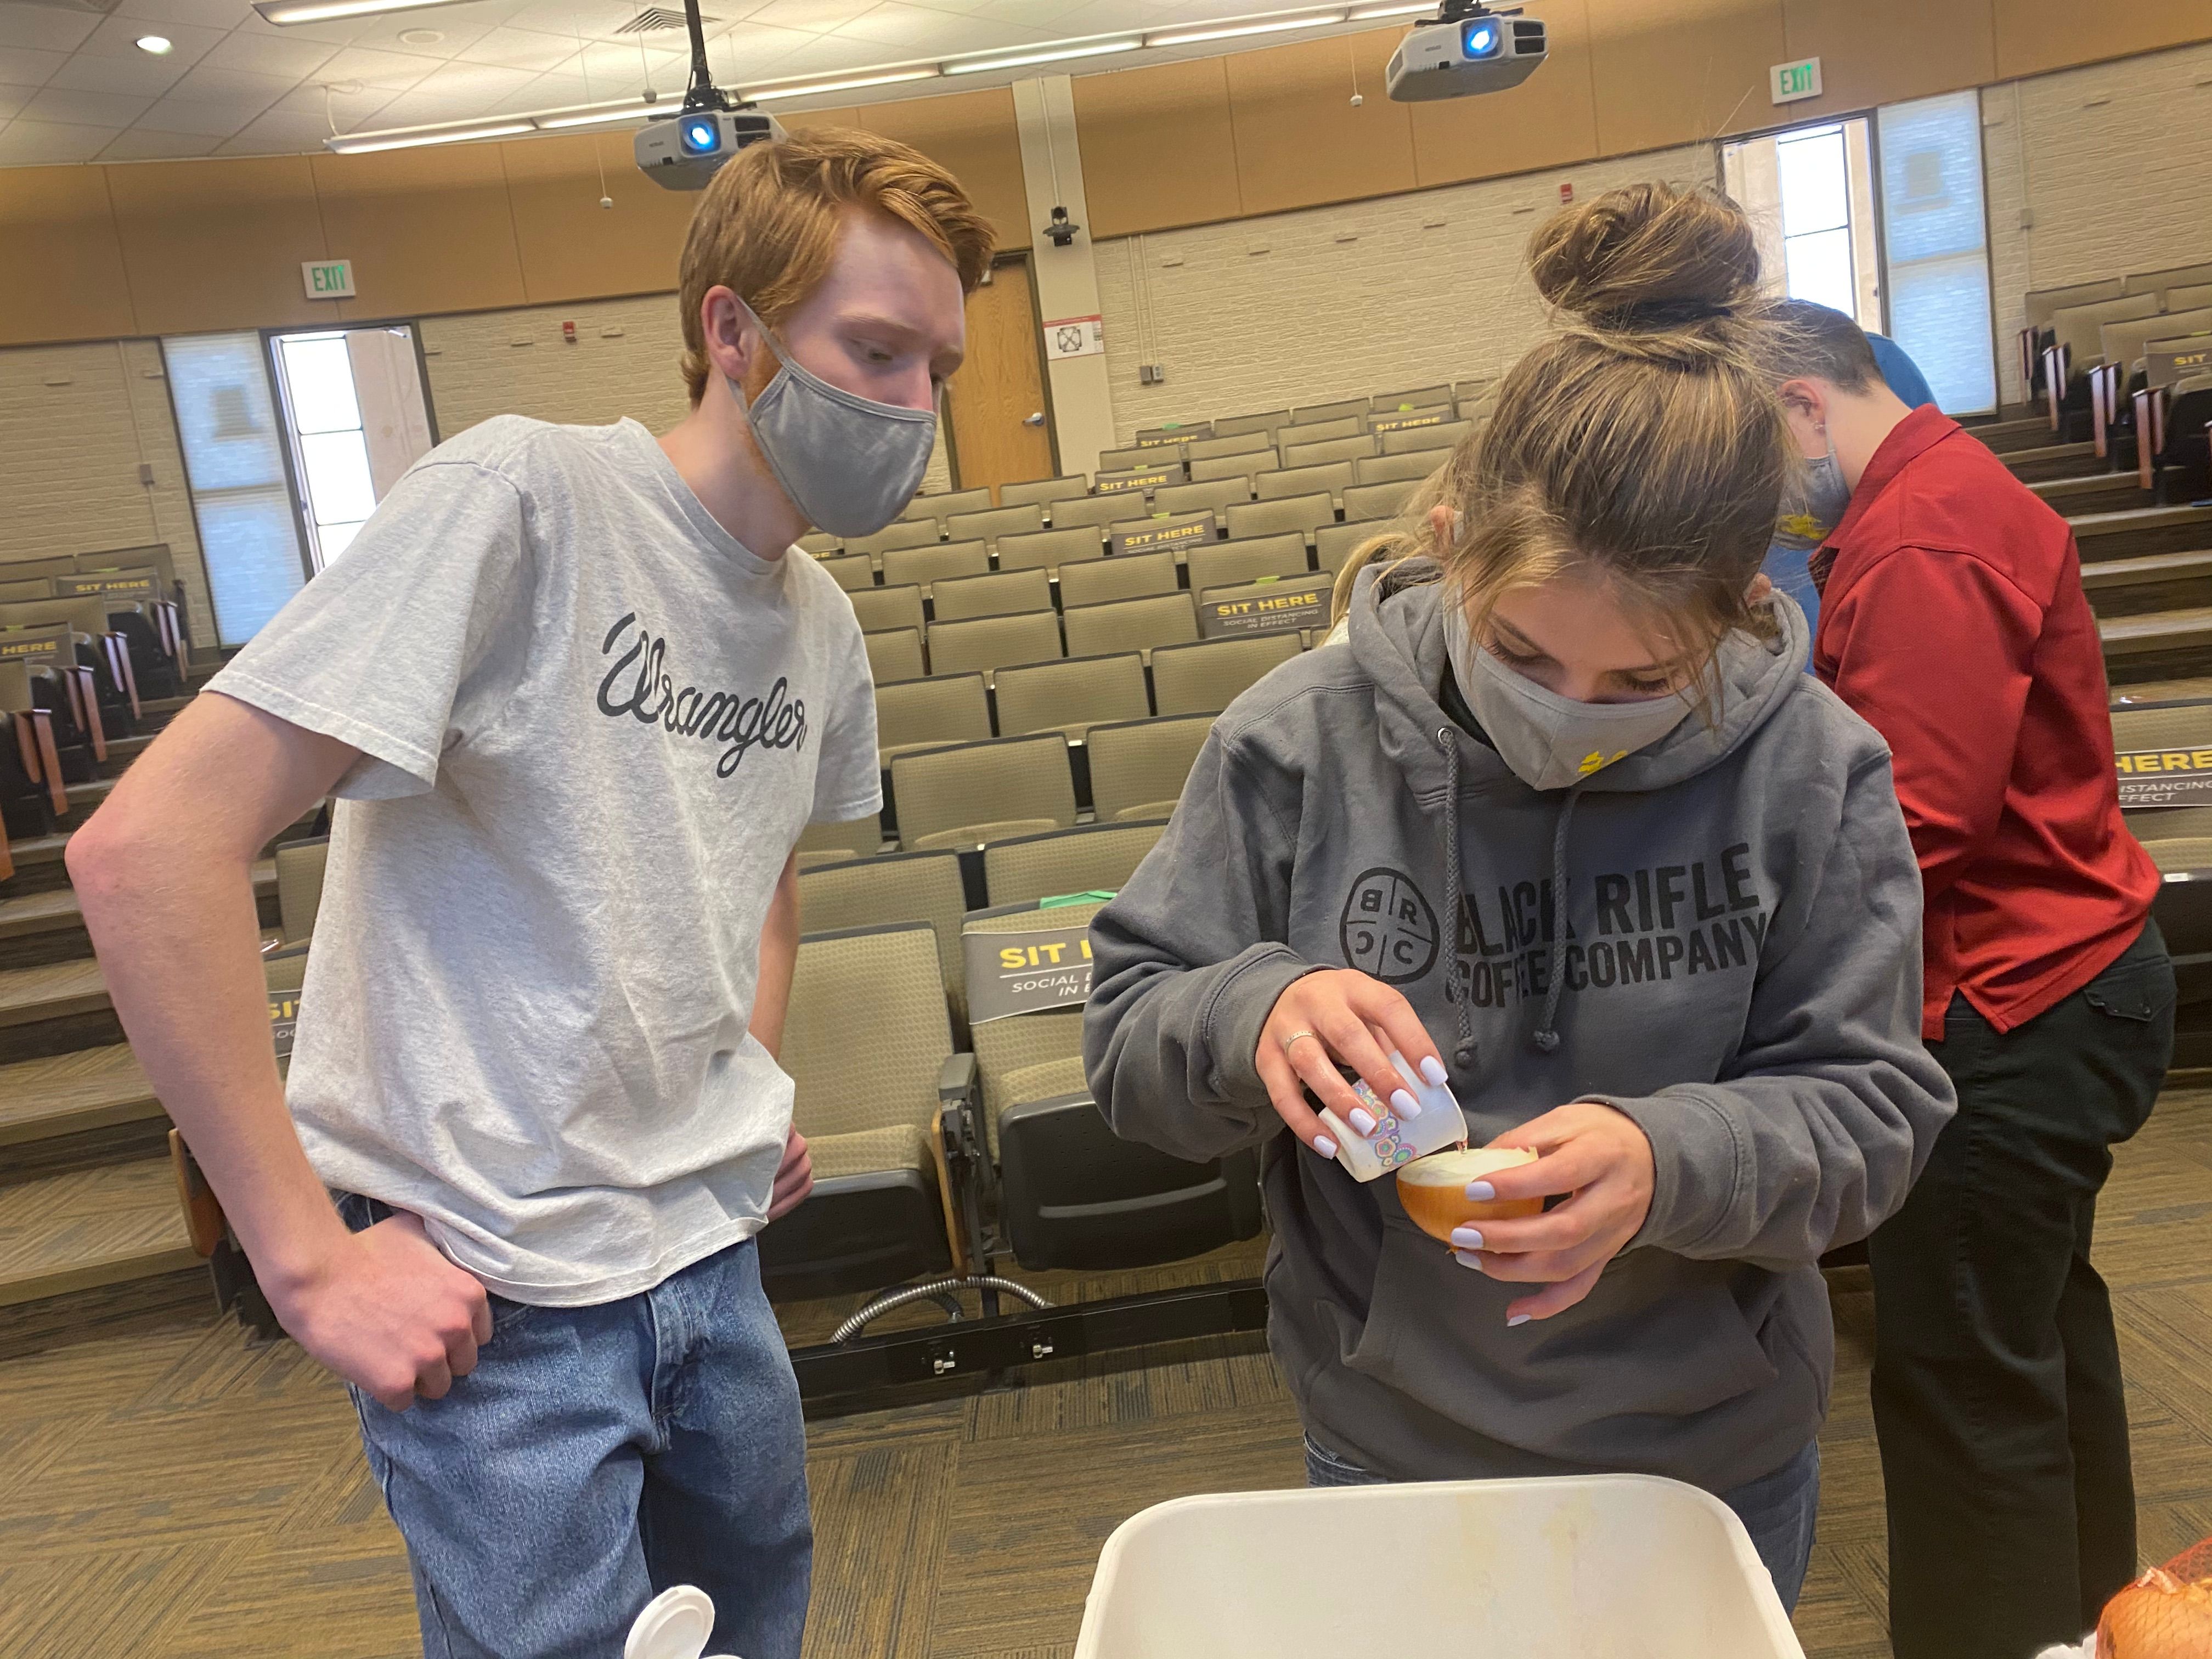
(1777, 1510)
(597, 1456)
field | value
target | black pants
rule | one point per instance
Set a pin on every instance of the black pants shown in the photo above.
(1997, 1377)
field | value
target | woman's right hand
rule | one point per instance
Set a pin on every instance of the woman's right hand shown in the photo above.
(1340, 1015)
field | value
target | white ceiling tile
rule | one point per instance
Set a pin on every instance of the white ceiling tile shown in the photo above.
(118, 38)
(141, 72)
(22, 66)
(139, 145)
(1031, 13)
(209, 120)
(12, 100)
(335, 33)
(392, 69)
(523, 49)
(221, 14)
(287, 56)
(814, 16)
(46, 27)
(347, 110)
(238, 89)
(547, 91)
(919, 31)
(85, 109)
(454, 33)
(280, 132)
(27, 144)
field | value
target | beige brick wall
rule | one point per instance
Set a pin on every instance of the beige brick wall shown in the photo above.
(76, 423)
(1329, 302)
(515, 363)
(2111, 160)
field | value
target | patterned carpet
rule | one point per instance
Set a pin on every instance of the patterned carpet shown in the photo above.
(169, 1490)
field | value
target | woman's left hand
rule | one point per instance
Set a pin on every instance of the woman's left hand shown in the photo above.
(1601, 1156)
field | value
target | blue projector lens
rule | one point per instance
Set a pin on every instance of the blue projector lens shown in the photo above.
(701, 138)
(1480, 40)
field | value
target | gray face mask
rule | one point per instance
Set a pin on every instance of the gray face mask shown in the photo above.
(1550, 742)
(1812, 508)
(848, 463)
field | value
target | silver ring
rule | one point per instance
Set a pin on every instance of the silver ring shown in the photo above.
(1295, 1036)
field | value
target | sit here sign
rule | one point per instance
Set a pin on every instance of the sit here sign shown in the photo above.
(2164, 777)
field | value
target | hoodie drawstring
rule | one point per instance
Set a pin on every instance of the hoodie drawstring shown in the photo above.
(1547, 1033)
(1547, 1028)
(1463, 1046)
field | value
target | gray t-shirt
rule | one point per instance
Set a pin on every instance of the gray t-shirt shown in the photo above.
(592, 727)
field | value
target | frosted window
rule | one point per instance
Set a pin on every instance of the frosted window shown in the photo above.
(1937, 247)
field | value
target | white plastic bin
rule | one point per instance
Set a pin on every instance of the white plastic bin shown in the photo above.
(1610, 1567)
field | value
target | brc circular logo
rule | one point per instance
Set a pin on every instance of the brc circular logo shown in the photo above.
(1388, 929)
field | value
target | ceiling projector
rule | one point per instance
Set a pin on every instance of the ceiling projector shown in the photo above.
(1462, 51)
(684, 151)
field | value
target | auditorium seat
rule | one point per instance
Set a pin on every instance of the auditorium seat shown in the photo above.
(1048, 549)
(865, 1074)
(1379, 501)
(1209, 495)
(893, 654)
(851, 571)
(300, 867)
(1091, 858)
(1335, 543)
(1330, 449)
(1386, 403)
(1207, 678)
(1215, 468)
(1257, 441)
(1000, 593)
(995, 522)
(1096, 512)
(1118, 460)
(1130, 576)
(820, 542)
(895, 887)
(1310, 414)
(1137, 767)
(840, 843)
(944, 504)
(1413, 438)
(38, 587)
(1315, 432)
(2160, 283)
(1072, 1193)
(32, 792)
(1071, 695)
(1103, 631)
(1415, 464)
(2193, 296)
(1336, 478)
(1238, 425)
(931, 712)
(883, 609)
(924, 566)
(1463, 391)
(1299, 512)
(975, 792)
(1042, 492)
(1232, 564)
(983, 645)
(900, 532)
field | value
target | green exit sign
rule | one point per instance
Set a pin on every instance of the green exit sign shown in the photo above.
(1794, 81)
(328, 279)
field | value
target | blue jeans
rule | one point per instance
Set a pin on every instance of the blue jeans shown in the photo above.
(1777, 1510)
(597, 1456)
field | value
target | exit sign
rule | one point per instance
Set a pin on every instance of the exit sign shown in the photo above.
(328, 279)
(1794, 81)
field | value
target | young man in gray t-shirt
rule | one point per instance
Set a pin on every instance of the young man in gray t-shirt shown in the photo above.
(577, 699)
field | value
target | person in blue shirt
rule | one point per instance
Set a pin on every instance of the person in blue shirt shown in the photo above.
(1810, 520)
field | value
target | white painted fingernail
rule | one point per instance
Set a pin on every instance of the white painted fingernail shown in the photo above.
(1362, 1121)
(1324, 1145)
(1480, 1192)
(1468, 1238)
(1433, 1070)
(1405, 1105)
(1518, 1319)
(1467, 1258)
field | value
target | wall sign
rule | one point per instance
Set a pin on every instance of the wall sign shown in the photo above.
(1790, 83)
(1075, 337)
(1169, 530)
(327, 279)
(1276, 605)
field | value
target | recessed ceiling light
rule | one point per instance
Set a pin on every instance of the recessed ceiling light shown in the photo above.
(1231, 30)
(322, 11)
(1042, 55)
(420, 37)
(156, 44)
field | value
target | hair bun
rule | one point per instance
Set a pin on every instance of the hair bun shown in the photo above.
(1647, 258)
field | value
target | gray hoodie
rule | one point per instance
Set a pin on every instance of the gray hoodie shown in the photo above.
(1739, 973)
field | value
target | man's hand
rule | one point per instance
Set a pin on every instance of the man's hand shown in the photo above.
(388, 1313)
(795, 1180)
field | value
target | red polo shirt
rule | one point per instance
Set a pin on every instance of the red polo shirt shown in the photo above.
(1952, 620)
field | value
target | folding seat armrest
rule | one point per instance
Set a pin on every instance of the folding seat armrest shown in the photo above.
(203, 1219)
(963, 1164)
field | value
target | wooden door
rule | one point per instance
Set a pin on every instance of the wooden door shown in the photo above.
(999, 389)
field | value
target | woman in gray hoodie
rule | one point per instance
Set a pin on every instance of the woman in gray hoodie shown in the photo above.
(1565, 797)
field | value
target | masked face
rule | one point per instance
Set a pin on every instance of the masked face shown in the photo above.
(1814, 506)
(1549, 741)
(848, 463)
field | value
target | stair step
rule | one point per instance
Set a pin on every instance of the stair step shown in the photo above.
(68, 1094)
(121, 752)
(2189, 689)
(2099, 492)
(2028, 432)
(2156, 646)
(2157, 581)
(57, 909)
(2053, 461)
(87, 1228)
(2102, 536)
(51, 991)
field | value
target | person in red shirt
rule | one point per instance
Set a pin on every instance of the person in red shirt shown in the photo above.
(1952, 620)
